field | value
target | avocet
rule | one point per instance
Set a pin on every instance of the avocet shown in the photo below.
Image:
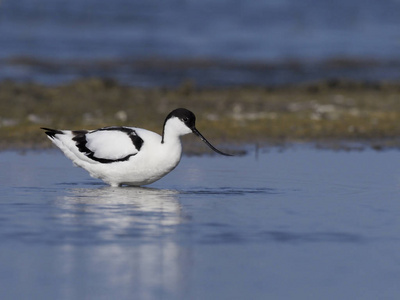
(121, 155)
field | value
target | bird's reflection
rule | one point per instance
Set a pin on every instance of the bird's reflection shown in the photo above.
(111, 214)
(124, 238)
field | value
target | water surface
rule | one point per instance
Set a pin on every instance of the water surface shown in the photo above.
(67, 35)
(234, 29)
(297, 224)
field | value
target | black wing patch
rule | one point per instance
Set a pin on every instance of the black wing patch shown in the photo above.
(80, 139)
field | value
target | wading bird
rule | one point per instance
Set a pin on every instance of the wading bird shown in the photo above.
(121, 155)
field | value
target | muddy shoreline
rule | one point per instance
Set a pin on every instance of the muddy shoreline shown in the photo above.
(335, 113)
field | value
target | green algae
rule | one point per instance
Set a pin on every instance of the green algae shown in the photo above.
(329, 111)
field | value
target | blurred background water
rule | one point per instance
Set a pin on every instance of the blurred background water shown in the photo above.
(157, 42)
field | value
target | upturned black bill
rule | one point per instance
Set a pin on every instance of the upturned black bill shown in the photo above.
(196, 132)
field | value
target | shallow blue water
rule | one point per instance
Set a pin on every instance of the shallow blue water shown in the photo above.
(301, 224)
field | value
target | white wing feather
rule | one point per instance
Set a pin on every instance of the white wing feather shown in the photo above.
(110, 144)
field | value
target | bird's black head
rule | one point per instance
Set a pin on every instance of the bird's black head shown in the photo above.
(189, 119)
(186, 116)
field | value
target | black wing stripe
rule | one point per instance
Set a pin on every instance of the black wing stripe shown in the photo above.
(136, 140)
(80, 139)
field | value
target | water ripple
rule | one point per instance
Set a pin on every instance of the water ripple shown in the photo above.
(312, 237)
(230, 191)
(283, 237)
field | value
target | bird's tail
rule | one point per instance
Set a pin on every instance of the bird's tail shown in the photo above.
(51, 133)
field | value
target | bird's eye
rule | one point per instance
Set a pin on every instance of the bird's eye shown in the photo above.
(185, 119)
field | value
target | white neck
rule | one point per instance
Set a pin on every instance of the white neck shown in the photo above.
(173, 129)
